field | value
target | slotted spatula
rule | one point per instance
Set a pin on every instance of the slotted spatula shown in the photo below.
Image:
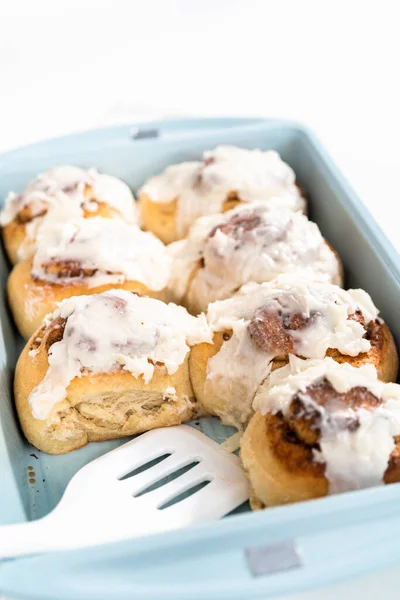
(108, 501)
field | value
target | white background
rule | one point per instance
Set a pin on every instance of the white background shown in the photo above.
(68, 65)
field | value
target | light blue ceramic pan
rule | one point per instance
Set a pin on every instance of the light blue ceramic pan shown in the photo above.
(246, 555)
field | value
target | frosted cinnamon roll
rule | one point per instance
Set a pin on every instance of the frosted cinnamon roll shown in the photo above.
(257, 330)
(106, 366)
(61, 193)
(250, 243)
(225, 177)
(321, 428)
(85, 256)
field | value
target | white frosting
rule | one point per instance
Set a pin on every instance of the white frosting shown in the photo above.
(355, 458)
(201, 187)
(240, 366)
(61, 191)
(117, 250)
(283, 242)
(113, 330)
(234, 375)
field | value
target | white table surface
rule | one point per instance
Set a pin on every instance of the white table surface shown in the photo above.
(75, 64)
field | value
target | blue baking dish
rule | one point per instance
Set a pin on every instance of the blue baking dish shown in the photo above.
(246, 555)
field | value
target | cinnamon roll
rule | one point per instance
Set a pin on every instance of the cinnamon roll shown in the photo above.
(106, 366)
(321, 428)
(85, 256)
(225, 177)
(250, 243)
(61, 193)
(255, 332)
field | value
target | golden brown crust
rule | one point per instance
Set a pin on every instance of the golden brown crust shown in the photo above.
(383, 355)
(231, 202)
(279, 468)
(392, 474)
(188, 300)
(159, 218)
(13, 238)
(199, 357)
(14, 234)
(98, 406)
(31, 300)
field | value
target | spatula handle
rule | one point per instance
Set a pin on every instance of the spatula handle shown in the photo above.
(43, 535)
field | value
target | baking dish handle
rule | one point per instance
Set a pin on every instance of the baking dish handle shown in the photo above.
(219, 569)
(164, 130)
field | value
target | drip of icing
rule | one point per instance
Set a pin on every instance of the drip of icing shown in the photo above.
(280, 241)
(116, 251)
(236, 372)
(202, 187)
(113, 330)
(61, 191)
(354, 458)
(240, 366)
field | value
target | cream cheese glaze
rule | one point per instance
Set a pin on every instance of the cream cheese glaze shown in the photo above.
(111, 331)
(249, 243)
(115, 250)
(201, 187)
(62, 192)
(242, 363)
(355, 457)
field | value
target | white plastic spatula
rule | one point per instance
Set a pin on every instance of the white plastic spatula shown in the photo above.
(107, 501)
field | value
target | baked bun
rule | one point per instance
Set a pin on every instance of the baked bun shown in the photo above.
(106, 366)
(321, 428)
(249, 243)
(226, 176)
(256, 331)
(85, 256)
(59, 194)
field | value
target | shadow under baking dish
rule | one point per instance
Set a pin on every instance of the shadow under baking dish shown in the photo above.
(32, 482)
